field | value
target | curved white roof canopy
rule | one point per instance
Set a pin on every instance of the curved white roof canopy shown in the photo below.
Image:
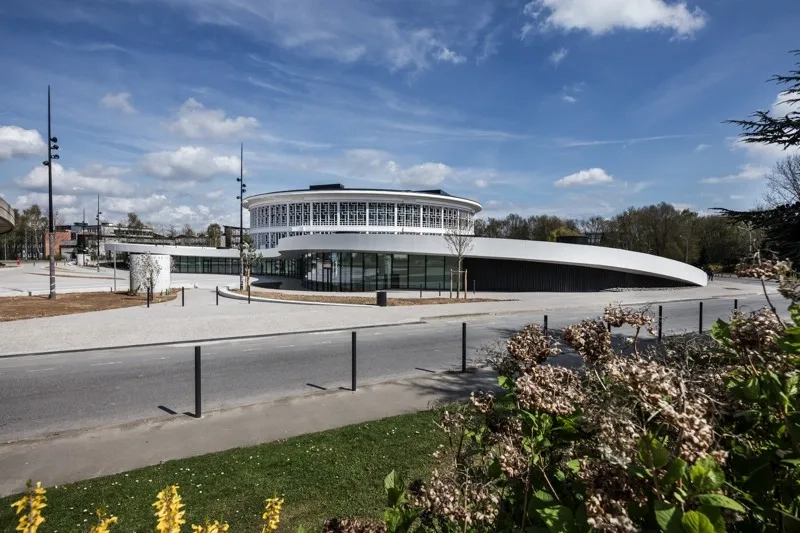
(517, 250)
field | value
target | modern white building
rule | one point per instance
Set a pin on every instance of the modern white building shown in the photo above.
(322, 209)
(355, 240)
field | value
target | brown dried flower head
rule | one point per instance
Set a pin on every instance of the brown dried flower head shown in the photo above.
(617, 316)
(591, 339)
(463, 501)
(483, 401)
(352, 525)
(764, 269)
(756, 332)
(549, 389)
(530, 346)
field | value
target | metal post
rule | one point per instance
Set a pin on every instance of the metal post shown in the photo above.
(660, 318)
(248, 294)
(736, 304)
(545, 324)
(148, 298)
(217, 294)
(463, 347)
(440, 289)
(353, 384)
(198, 384)
(50, 147)
(115, 271)
(700, 328)
(183, 296)
(420, 291)
(473, 287)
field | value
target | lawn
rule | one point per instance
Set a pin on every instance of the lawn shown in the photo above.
(22, 307)
(322, 475)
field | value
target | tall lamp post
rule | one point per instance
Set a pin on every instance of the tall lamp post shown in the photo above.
(98, 232)
(242, 188)
(51, 147)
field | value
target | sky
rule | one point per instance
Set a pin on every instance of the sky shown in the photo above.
(574, 108)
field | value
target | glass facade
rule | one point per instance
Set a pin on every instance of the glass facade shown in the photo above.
(357, 272)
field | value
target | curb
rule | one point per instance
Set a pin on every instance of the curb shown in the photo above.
(225, 291)
(215, 339)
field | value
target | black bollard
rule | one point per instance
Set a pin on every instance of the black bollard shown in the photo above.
(473, 287)
(420, 291)
(660, 318)
(217, 294)
(700, 325)
(353, 376)
(183, 296)
(463, 347)
(545, 324)
(248, 294)
(148, 298)
(736, 304)
(198, 384)
(440, 289)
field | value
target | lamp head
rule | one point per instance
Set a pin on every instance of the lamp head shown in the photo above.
(54, 139)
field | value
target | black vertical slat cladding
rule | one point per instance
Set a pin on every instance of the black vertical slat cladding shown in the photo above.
(502, 275)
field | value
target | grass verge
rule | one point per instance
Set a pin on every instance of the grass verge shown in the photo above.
(23, 307)
(321, 475)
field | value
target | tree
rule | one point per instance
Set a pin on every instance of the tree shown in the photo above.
(134, 222)
(783, 183)
(763, 128)
(188, 231)
(249, 256)
(562, 231)
(459, 241)
(213, 234)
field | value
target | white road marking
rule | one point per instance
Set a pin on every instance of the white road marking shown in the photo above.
(106, 364)
(40, 369)
(251, 349)
(286, 346)
(326, 342)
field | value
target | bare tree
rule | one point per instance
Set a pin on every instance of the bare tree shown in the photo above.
(783, 183)
(459, 241)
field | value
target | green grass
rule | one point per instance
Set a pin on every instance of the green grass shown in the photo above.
(322, 475)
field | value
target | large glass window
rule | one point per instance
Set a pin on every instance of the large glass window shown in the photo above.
(370, 272)
(400, 272)
(344, 272)
(358, 280)
(416, 271)
(435, 275)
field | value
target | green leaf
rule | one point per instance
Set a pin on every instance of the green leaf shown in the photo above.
(675, 472)
(695, 522)
(505, 383)
(395, 489)
(558, 519)
(652, 453)
(706, 475)
(720, 331)
(719, 500)
(668, 517)
(714, 514)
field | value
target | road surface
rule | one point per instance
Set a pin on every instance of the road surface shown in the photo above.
(54, 393)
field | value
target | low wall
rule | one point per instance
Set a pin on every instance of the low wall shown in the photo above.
(138, 272)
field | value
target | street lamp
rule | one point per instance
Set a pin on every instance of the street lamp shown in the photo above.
(242, 188)
(98, 232)
(686, 260)
(51, 147)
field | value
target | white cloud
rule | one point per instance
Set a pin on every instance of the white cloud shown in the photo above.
(700, 147)
(558, 56)
(748, 172)
(447, 55)
(737, 197)
(569, 99)
(118, 101)
(189, 163)
(590, 176)
(215, 195)
(16, 141)
(481, 183)
(42, 199)
(94, 179)
(426, 174)
(195, 121)
(599, 17)
(782, 107)
(569, 93)
(682, 207)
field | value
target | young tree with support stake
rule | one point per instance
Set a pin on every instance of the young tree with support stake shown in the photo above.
(459, 241)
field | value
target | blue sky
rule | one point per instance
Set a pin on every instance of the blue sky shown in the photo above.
(566, 107)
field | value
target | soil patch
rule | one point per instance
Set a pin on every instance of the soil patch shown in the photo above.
(362, 300)
(23, 307)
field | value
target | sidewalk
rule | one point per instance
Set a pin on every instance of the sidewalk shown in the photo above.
(202, 319)
(106, 451)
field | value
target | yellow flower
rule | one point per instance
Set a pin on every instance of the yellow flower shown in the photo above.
(211, 527)
(169, 510)
(272, 514)
(104, 521)
(29, 507)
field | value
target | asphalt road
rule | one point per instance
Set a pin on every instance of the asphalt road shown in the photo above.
(53, 393)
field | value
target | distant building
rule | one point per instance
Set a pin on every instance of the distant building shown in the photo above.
(230, 236)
